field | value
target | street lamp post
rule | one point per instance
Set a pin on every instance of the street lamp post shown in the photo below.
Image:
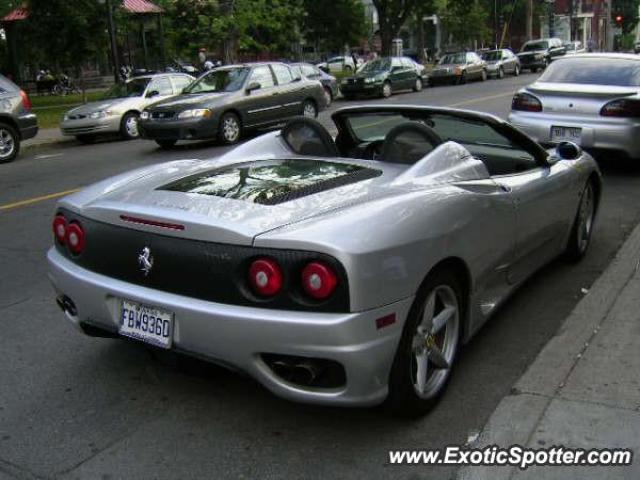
(112, 38)
(550, 5)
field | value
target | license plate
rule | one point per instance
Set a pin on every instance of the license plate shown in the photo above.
(559, 134)
(146, 323)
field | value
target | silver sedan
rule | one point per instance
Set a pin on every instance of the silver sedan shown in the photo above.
(589, 99)
(118, 110)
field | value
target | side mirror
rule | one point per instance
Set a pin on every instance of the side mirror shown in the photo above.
(253, 86)
(153, 93)
(568, 151)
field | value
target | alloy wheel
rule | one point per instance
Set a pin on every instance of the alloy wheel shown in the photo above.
(435, 342)
(585, 218)
(7, 144)
(230, 129)
(131, 126)
(309, 110)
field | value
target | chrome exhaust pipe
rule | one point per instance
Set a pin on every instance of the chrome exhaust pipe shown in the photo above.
(304, 373)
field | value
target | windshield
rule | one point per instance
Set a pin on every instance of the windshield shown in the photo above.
(379, 65)
(532, 46)
(590, 71)
(570, 46)
(454, 58)
(225, 80)
(134, 88)
(491, 56)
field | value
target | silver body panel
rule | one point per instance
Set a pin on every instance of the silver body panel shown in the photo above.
(388, 232)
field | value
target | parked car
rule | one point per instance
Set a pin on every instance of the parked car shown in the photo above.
(119, 110)
(636, 47)
(383, 77)
(592, 99)
(17, 122)
(226, 101)
(458, 68)
(339, 64)
(501, 62)
(342, 273)
(571, 48)
(312, 72)
(538, 54)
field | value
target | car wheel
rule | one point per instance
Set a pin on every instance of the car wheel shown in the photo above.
(230, 130)
(166, 143)
(462, 79)
(500, 72)
(583, 225)
(418, 85)
(309, 109)
(348, 69)
(9, 143)
(546, 64)
(386, 90)
(428, 346)
(129, 126)
(328, 96)
(516, 72)
(483, 77)
(88, 139)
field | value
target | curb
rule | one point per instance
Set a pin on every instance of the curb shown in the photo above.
(517, 416)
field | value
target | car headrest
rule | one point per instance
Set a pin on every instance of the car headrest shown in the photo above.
(409, 142)
(306, 136)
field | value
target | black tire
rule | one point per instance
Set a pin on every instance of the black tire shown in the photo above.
(462, 79)
(516, 71)
(88, 139)
(534, 70)
(417, 86)
(546, 64)
(483, 75)
(500, 72)
(129, 126)
(166, 143)
(386, 91)
(309, 109)
(579, 239)
(403, 399)
(229, 129)
(10, 143)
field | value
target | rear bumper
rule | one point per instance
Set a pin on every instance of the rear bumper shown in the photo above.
(598, 133)
(529, 64)
(28, 125)
(236, 336)
(187, 129)
(361, 89)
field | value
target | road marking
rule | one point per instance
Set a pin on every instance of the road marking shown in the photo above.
(30, 201)
(480, 99)
(53, 155)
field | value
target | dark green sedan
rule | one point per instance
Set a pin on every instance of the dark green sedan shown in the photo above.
(384, 76)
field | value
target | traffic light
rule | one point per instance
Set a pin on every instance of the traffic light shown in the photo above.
(619, 19)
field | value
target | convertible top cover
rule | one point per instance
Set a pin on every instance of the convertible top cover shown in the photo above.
(272, 182)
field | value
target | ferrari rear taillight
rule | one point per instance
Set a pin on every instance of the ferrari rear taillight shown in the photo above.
(623, 107)
(75, 238)
(60, 228)
(319, 280)
(526, 103)
(26, 102)
(265, 277)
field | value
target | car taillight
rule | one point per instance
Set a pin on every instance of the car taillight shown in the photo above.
(526, 103)
(265, 277)
(26, 102)
(60, 228)
(319, 280)
(75, 238)
(622, 107)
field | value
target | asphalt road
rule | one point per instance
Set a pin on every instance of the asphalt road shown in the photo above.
(77, 407)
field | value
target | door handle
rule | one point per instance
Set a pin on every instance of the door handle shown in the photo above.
(505, 188)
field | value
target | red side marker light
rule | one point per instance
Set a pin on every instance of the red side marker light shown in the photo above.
(385, 321)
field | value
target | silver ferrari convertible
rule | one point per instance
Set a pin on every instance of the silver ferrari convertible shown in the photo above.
(344, 271)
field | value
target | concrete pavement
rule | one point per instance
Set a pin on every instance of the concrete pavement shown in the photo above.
(46, 136)
(583, 389)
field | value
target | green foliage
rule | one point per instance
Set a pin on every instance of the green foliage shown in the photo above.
(628, 9)
(64, 33)
(330, 29)
(466, 21)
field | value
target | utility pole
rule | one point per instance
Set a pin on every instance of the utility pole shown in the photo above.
(529, 20)
(114, 45)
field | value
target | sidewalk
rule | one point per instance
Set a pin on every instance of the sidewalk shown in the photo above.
(583, 389)
(45, 136)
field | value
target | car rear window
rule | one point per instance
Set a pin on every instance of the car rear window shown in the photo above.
(594, 71)
(533, 46)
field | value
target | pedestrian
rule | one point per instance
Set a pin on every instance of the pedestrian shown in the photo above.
(355, 61)
(202, 56)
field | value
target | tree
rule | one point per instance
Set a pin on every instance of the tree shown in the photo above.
(457, 18)
(627, 11)
(330, 29)
(391, 16)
